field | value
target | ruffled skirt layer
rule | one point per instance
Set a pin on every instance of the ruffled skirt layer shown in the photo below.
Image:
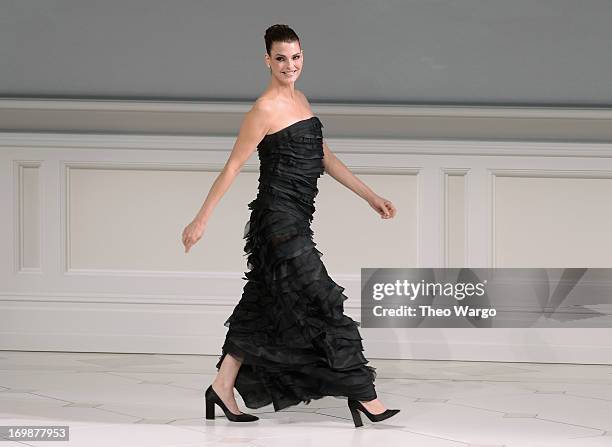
(289, 328)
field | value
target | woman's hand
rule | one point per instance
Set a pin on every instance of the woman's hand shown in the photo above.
(383, 207)
(193, 233)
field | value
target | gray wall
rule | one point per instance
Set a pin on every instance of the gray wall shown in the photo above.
(519, 52)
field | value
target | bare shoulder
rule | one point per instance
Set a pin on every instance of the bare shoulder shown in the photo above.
(254, 126)
(260, 115)
(263, 107)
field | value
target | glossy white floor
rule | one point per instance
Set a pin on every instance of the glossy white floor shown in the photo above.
(157, 400)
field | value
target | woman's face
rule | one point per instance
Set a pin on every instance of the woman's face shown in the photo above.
(285, 61)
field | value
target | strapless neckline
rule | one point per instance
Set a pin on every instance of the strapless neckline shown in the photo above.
(291, 125)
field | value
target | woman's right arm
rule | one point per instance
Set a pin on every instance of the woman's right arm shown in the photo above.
(252, 130)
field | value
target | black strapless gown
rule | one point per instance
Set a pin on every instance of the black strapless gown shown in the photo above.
(289, 327)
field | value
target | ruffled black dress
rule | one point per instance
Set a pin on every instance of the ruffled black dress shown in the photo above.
(289, 327)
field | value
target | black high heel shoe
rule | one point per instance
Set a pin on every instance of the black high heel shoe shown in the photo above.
(213, 398)
(355, 406)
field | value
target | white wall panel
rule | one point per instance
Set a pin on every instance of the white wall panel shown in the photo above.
(553, 219)
(113, 276)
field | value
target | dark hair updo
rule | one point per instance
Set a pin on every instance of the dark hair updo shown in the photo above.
(279, 33)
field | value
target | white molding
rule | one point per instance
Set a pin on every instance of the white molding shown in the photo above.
(355, 109)
(117, 298)
(67, 329)
(18, 217)
(54, 141)
(553, 173)
(446, 173)
(187, 118)
(533, 173)
(157, 299)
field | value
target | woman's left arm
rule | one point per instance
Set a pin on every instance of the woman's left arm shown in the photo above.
(334, 167)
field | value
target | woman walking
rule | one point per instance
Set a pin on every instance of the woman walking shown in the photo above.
(288, 339)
